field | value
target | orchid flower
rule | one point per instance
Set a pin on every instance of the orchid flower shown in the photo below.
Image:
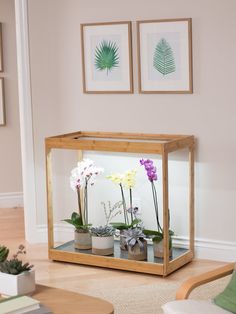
(83, 175)
(151, 171)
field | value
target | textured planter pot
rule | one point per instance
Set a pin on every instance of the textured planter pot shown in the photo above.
(136, 253)
(11, 285)
(158, 249)
(83, 240)
(103, 245)
(123, 245)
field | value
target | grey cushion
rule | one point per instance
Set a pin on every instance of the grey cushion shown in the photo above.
(192, 307)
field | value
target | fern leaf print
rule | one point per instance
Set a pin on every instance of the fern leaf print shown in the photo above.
(163, 59)
(106, 56)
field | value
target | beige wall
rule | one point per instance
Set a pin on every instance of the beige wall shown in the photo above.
(59, 106)
(10, 156)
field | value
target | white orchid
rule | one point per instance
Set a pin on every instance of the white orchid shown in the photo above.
(84, 173)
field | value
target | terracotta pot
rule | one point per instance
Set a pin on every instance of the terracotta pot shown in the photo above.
(158, 249)
(123, 245)
(136, 253)
(83, 240)
(103, 245)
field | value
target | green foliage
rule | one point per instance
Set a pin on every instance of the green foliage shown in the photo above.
(4, 251)
(103, 231)
(156, 235)
(124, 226)
(77, 222)
(163, 59)
(106, 56)
(14, 267)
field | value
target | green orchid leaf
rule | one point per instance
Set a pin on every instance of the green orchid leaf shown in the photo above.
(135, 222)
(152, 232)
(119, 225)
(157, 239)
(163, 59)
(76, 221)
(171, 232)
(106, 56)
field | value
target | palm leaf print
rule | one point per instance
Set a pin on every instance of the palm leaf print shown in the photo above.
(106, 56)
(163, 59)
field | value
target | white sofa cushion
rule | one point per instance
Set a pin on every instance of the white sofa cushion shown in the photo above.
(192, 307)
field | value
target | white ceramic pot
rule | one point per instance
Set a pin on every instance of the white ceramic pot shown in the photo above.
(103, 245)
(11, 285)
(158, 249)
(82, 240)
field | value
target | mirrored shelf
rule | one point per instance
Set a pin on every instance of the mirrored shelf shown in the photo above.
(118, 253)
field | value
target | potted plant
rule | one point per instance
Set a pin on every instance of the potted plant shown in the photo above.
(81, 178)
(103, 240)
(16, 277)
(156, 235)
(4, 251)
(126, 180)
(82, 236)
(136, 243)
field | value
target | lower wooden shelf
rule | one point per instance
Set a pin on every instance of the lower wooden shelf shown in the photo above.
(67, 253)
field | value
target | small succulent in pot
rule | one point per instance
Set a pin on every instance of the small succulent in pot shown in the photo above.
(103, 240)
(15, 266)
(136, 243)
(16, 277)
(134, 236)
(102, 231)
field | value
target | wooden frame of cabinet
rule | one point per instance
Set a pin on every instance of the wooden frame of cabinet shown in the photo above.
(161, 144)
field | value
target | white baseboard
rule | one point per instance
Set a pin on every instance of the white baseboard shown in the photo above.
(204, 248)
(14, 199)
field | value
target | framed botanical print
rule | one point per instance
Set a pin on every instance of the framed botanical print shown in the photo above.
(2, 111)
(1, 62)
(165, 56)
(107, 57)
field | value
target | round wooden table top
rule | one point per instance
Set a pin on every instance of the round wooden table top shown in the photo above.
(66, 302)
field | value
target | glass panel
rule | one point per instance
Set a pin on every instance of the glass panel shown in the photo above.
(65, 199)
(179, 198)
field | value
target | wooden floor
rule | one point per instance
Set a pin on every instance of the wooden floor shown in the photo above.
(82, 278)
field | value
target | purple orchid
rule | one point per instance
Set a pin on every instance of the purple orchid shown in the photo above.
(150, 169)
(152, 176)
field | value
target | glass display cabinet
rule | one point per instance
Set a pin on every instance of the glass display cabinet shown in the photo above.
(162, 146)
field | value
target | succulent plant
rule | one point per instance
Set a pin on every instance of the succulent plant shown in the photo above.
(14, 266)
(102, 231)
(4, 251)
(134, 236)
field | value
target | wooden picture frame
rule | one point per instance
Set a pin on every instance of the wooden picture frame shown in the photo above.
(165, 56)
(2, 107)
(107, 57)
(1, 49)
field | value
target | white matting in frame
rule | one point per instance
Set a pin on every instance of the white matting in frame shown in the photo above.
(107, 57)
(1, 49)
(2, 111)
(165, 56)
